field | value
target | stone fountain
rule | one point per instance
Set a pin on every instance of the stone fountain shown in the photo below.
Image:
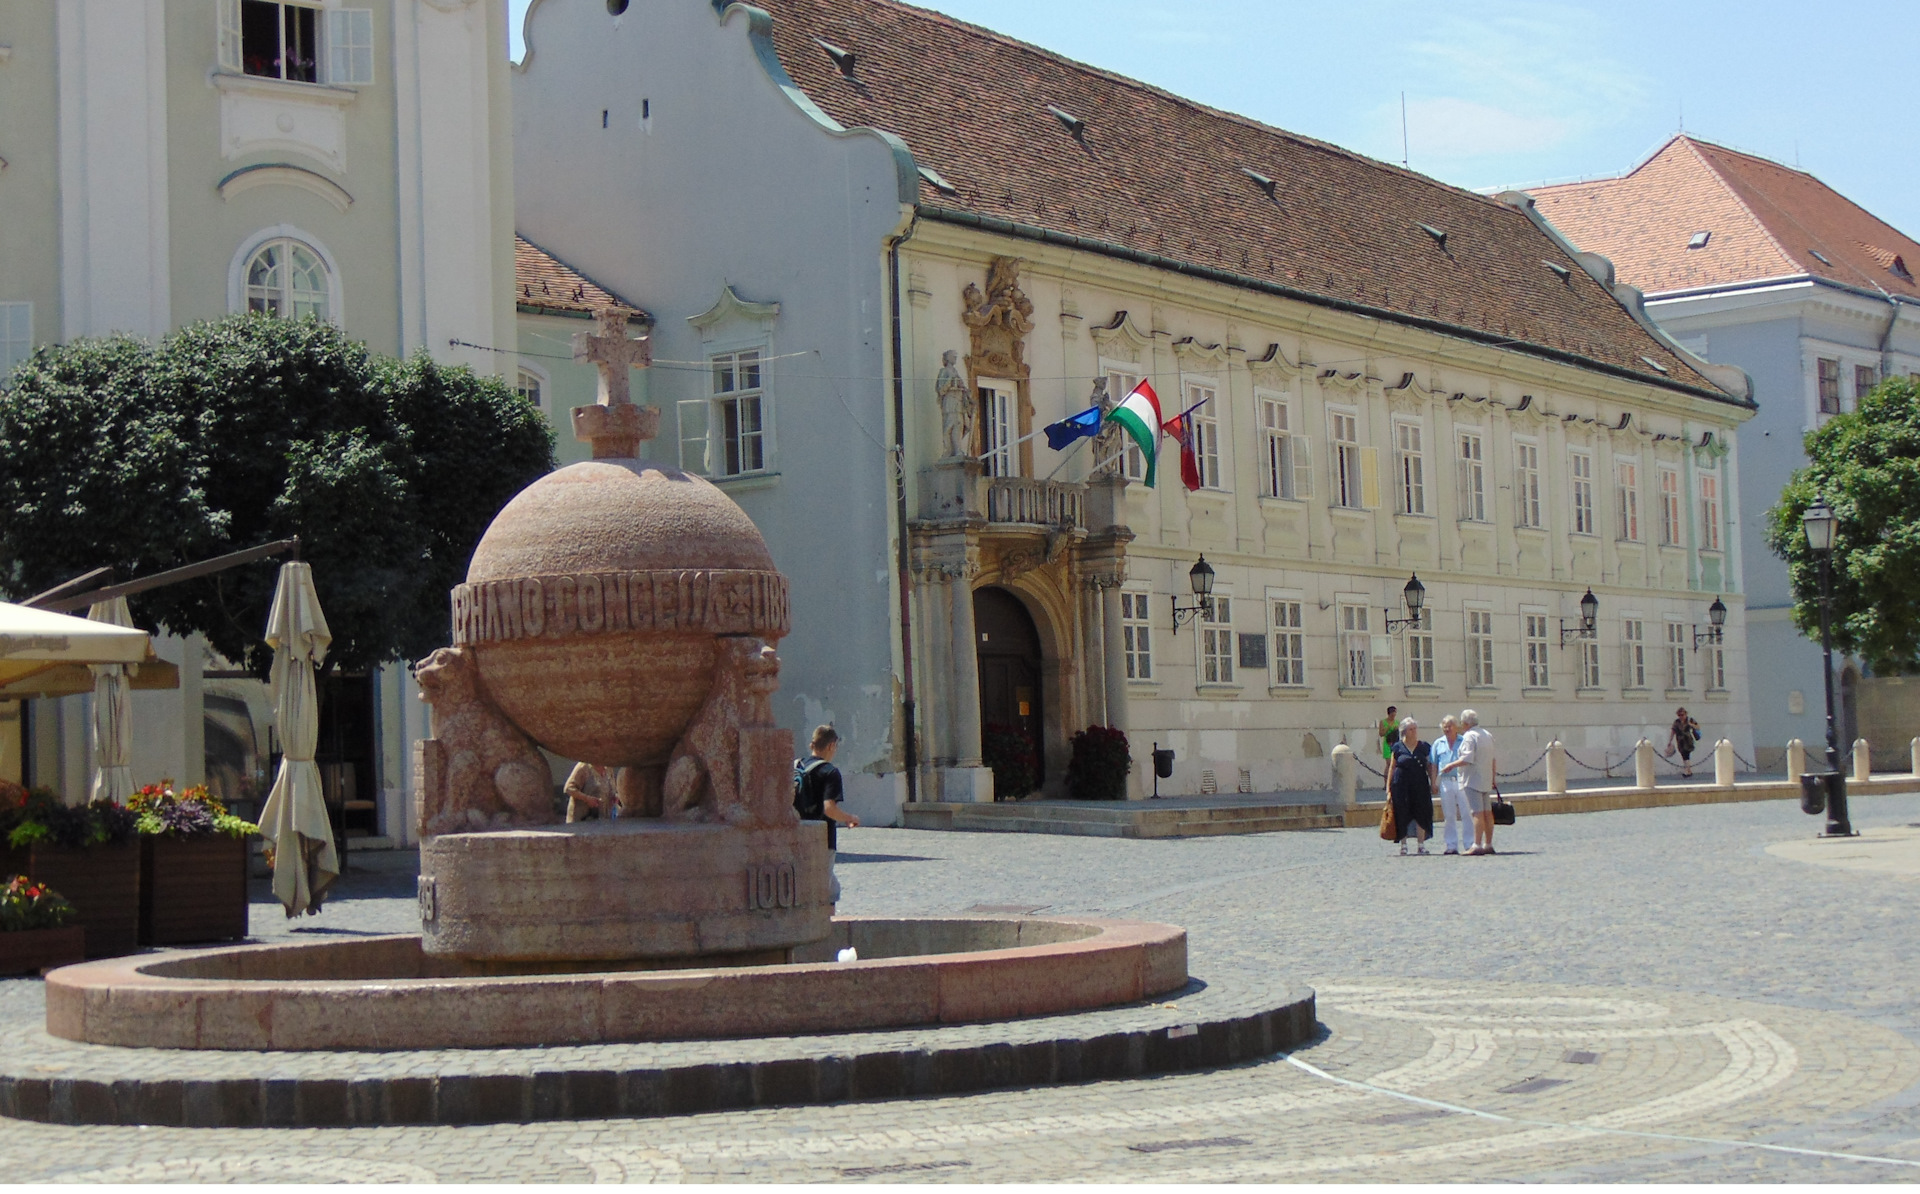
(623, 613)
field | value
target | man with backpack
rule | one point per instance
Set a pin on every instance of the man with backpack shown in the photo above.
(817, 794)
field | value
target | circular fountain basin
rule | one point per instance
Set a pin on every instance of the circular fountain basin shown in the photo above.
(379, 993)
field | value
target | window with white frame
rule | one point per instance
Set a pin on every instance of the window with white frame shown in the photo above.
(1120, 383)
(1410, 467)
(1676, 655)
(1626, 488)
(1205, 422)
(1716, 668)
(1526, 483)
(738, 414)
(1471, 479)
(1289, 643)
(1633, 636)
(1589, 663)
(288, 280)
(1534, 628)
(528, 385)
(1480, 648)
(1582, 479)
(1829, 385)
(1420, 649)
(1343, 430)
(16, 337)
(1136, 635)
(1670, 529)
(997, 427)
(1216, 641)
(1286, 456)
(1356, 646)
(297, 41)
(1709, 509)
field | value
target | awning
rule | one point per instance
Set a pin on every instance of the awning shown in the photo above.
(46, 654)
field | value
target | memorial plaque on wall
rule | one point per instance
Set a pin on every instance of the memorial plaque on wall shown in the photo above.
(1253, 650)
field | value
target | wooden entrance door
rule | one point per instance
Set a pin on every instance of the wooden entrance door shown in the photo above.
(1008, 656)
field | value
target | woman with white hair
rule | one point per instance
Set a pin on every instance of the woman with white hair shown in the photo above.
(1410, 780)
(1453, 787)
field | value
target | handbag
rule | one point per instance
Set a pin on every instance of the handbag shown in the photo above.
(1389, 830)
(1502, 810)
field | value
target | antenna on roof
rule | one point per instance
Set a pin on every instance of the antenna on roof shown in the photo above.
(1403, 130)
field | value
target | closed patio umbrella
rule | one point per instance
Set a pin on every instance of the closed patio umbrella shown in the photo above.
(295, 817)
(112, 713)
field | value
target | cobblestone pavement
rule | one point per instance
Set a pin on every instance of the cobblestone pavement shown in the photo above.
(1640, 995)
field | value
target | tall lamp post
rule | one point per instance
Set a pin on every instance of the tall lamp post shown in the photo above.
(1819, 523)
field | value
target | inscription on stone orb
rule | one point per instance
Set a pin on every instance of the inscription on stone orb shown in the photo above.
(705, 601)
(772, 886)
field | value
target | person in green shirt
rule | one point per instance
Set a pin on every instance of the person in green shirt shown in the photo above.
(1389, 733)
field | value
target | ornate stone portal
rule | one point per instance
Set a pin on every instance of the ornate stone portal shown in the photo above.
(621, 613)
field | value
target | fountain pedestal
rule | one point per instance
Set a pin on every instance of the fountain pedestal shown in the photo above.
(631, 888)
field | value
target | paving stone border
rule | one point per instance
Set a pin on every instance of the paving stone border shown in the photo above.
(49, 1080)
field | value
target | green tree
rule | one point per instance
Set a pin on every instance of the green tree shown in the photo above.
(249, 429)
(1867, 466)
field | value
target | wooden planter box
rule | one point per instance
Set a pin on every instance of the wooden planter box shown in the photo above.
(101, 882)
(192, 890)
(34, 950)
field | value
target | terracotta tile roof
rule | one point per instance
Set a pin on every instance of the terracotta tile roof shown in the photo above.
(543, 285)
(1765, 220)
(1025, 136)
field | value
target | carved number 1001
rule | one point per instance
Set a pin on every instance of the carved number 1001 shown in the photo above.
(771, 886)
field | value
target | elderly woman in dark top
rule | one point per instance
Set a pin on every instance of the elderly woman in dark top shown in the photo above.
(1410, 784)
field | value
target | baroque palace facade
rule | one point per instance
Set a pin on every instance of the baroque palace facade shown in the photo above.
(840, 213)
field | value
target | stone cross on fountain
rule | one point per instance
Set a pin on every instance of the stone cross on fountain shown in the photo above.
(614, 425)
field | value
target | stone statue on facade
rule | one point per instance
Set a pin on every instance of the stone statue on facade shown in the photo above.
(1110, 442)
(956, 406)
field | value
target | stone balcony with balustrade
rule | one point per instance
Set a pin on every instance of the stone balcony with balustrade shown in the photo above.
(1023, 501)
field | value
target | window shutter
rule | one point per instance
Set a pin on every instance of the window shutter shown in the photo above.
(694, 415)
(1370, 478)
(1382, 661)
(349, 46)
(230, 35)
(1302, 468)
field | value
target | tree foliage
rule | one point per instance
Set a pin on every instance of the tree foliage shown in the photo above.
(1866, 465)
(249, 429)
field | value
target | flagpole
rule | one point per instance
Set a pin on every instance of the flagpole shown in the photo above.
(1082, 441)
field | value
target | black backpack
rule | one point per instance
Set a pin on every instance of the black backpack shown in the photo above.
(806, 798)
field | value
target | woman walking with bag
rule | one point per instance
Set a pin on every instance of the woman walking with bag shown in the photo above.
(1683, 734)
(1410, 784)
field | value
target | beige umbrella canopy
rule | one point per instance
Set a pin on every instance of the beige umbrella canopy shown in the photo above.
(112, 713)
(295, 818)
(33, 641)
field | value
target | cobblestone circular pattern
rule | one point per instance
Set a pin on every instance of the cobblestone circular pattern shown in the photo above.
(52, 1080)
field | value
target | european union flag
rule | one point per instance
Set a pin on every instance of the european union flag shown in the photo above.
(1073, 427)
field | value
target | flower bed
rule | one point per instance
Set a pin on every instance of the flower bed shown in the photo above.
(193, 874)
(36, 929)
(87, 852)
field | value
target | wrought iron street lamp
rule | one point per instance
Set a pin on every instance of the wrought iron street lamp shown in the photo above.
(1716, 619)
(1829, 789)
(1415, 595)
(1200, 576)
(1589, 624)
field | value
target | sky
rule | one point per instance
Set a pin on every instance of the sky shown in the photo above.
(1501, 94)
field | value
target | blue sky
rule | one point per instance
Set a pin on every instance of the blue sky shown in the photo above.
(1506, 93)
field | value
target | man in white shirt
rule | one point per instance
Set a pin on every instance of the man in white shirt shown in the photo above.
(1477, 763)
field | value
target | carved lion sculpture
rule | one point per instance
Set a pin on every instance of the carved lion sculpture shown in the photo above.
(704, 781)
(479, 770)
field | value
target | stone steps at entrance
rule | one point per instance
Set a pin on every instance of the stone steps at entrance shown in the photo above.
(1121, 819)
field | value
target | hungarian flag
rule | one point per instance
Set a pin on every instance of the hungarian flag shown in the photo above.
(1180, 427)
(1139, 414)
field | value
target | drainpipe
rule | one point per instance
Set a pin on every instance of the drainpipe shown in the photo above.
(902, 560)
(1886, 337)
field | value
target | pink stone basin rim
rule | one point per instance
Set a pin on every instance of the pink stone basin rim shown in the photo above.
(382, 993)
